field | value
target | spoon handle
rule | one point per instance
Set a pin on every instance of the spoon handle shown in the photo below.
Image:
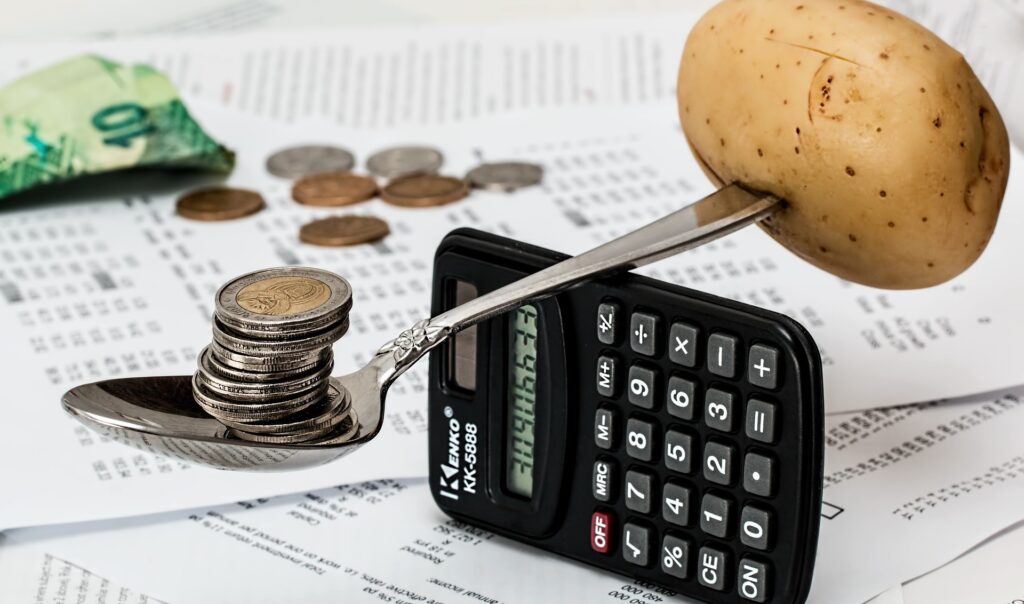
(717, 215)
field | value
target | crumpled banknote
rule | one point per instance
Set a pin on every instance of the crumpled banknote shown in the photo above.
(89, 115)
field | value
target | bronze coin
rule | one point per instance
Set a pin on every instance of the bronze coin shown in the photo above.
(424, 190)
(219, 203)
(344, 230)
(333, 189)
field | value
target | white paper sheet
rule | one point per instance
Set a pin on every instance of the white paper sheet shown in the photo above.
(909, 489)
(118, 285)
(379, 77)
(989, 573)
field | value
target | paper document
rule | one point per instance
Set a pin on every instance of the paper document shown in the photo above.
(118, 285)
(908, 489)
(379, 77)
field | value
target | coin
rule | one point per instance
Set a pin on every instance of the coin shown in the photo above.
(251, 346)
(229, 371)
(333, 189)
(219, 203)
(344, 230)
(296, 162)
(403, 161)
(340, 433)
(219, 407)
(288, 300)
(424, 190)
(264, 364)
(241, 391)
(329, 412)
(505, 176)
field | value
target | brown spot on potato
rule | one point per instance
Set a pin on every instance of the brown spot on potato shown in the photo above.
(823, 249)
(800, 7)
(882, 193)
(798, 131)
(797, 150)
(892, 224)
(879, 129)
(760, 153)
(926, 47)
(937, 122)
(883, 56)
(721, 141)
(931, 265)
(922, 90)
(924, 219)
(850, 171)
(853, 238)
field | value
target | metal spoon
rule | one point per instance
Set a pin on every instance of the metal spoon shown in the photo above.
(158, 414)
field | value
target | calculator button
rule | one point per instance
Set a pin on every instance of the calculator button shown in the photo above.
(715, 515)
(606, 371)
(722, 355)
(755, 527)
(641, 387)
(643, 330)
(675, 504)
(682, 344)
(758, 473)
(639, 487)
(604, 428)
(718, 460)
(718, 409)
(601, 532)
(636, 544)
(711, 567)
(608, 323)
(675, 557)
(640, 439)
(763, 366)
(679, 401)
(604, 480)
(760, 421)
(753, 580)
(678, 452)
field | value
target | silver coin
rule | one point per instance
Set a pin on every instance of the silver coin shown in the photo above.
(505, 176)
(218, 406)
(242, 391)
(246, 374)
(295, 162)
(327, 413)
(253, 347)
(267, 364)
(403, 161)
(339, 433)
(283, 300)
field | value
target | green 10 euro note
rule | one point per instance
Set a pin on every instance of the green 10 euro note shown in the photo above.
(89, 115)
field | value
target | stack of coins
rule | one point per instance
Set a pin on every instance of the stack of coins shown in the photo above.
(266, 375)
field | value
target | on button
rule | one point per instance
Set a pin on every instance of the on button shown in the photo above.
(600, 532)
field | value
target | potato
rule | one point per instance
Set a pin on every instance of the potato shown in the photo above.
(891, 155)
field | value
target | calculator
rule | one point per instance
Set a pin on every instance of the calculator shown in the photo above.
(630, 424)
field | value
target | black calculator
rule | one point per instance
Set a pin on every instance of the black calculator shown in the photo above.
(634, 425)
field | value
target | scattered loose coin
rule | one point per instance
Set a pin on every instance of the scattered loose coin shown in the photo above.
(219, 203)
(296, 162)
(505, 176)
(403, 161)
(424, 190)
(344, 230)
(330, 189)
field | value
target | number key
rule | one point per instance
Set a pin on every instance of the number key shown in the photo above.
(639, 491)
(675, 504)
(718, 409)
(678, 451)
(640, 439)
(680, 397)
(755, 527)
(715, 515)
(718, 459)
(641, 387)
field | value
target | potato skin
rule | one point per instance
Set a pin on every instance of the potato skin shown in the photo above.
(891, 155)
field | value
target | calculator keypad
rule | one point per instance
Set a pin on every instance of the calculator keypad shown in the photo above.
(707, 420)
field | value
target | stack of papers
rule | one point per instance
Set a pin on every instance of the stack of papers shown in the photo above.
(108, 285)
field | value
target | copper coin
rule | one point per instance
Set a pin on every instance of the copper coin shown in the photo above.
(219, 203)
(344, 230)
(333, 189)
(424, 190)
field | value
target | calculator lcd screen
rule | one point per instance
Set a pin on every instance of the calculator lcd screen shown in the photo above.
(522, 400)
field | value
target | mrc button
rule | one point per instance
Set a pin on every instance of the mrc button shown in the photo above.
(601, 532)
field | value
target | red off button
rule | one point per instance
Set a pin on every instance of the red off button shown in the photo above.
(600, 532)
